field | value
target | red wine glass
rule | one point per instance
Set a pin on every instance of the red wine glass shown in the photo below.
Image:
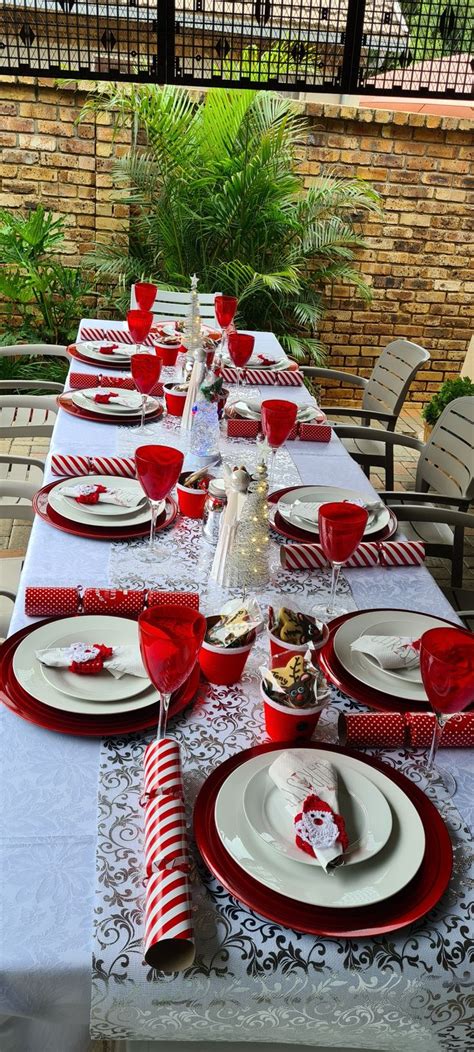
(241, 346)
(145, 295)
(158, 469)
(170, 640)
(278, 419)
(146, 369)
(447, 671)
(139, 324)
(341, 529)
(225, 308)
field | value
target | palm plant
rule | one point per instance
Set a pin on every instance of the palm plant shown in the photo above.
(216, 189)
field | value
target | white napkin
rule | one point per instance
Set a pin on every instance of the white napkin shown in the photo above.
(296, 778)
(125, 660)
(123, 350)
(390, 652)
(130, 399)
(123, 498)
(252, 411)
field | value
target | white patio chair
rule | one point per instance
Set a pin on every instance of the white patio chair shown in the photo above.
(384, 393)
(436, 512)
(176, 304)
(15, 504)
(27, 415)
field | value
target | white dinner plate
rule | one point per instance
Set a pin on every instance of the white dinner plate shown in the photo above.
(83, 513)
(306, 413)
(369, 882)
(109, 409)
(318, 495)
(367, 815)
(92, 695)
(90, 349)
(393, 623)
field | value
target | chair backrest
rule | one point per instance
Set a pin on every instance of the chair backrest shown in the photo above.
(25, 415)
(19, 349)
(12, 500)
(446, 463)
(391, 377)
(176, 304)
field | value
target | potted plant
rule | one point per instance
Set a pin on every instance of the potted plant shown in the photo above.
(448, 391)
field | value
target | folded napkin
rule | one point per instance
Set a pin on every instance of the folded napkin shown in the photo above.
(307, 511)
(129, 399)
(89, 659)
(390, 652)
(303, 556)
(309, 786)
(98, 494)
(252, 411)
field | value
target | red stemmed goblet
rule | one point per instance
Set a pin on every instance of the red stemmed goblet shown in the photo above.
(146, 369)
(158, 469)
(341, 529)
(278, 419)
(170, 640)
(139, 324)
(225, 308)
(447, 671)
(241, 345)
(145, 295)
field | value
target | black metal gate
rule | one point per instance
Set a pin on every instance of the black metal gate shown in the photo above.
(352, 47)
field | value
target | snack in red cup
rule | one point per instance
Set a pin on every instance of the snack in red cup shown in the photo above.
(229, 639)
(168, 352)
(175, 397)
(291, 703)
(192, 492)
(295, 632)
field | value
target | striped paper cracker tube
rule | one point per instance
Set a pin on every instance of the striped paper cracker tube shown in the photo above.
(162, 765)
(165, 835)
(271, 377)
(458, 731)
(302, 557)
(89, 332)
(123, 467)
(169, 936)
(402, 553)
(68, 464)
(380, 730)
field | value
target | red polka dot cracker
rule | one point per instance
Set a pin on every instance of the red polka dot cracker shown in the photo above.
(46, 602)
(384, 730)
(189, 599)
(458, 732)
(118, 601)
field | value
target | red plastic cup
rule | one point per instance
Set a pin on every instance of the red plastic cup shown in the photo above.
(191, 501)
(279, 646)
(174, 400)
(283, 724)
(167, 353)
(223, 665)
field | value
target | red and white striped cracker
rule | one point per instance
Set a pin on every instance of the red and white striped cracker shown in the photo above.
(458, 731)
(166, 844)
(169, 935)
(271, 377)
(123, 467)
(302, 557)
(80, 381)
(69, 464)
(367, 554)
(188, 599)
(402, 553)
(162, 766)
(123, 603)
(379, 730)
(243, 428)
(47, 602)
(90, 333)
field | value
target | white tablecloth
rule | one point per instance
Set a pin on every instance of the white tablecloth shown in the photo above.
(49, 781)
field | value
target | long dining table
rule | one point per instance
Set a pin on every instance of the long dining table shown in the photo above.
(253, 982)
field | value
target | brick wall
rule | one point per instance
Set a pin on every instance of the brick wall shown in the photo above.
(418, 253)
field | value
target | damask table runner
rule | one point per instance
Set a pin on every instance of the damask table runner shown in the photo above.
(49, 830)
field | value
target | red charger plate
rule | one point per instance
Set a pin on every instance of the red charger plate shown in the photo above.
(66, 403)
(407, 906)
(107, 358)
(18, 700)
(375, 699)
(293, 533)
(99, 533)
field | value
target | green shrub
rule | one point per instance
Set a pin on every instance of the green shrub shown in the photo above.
(448, 391)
